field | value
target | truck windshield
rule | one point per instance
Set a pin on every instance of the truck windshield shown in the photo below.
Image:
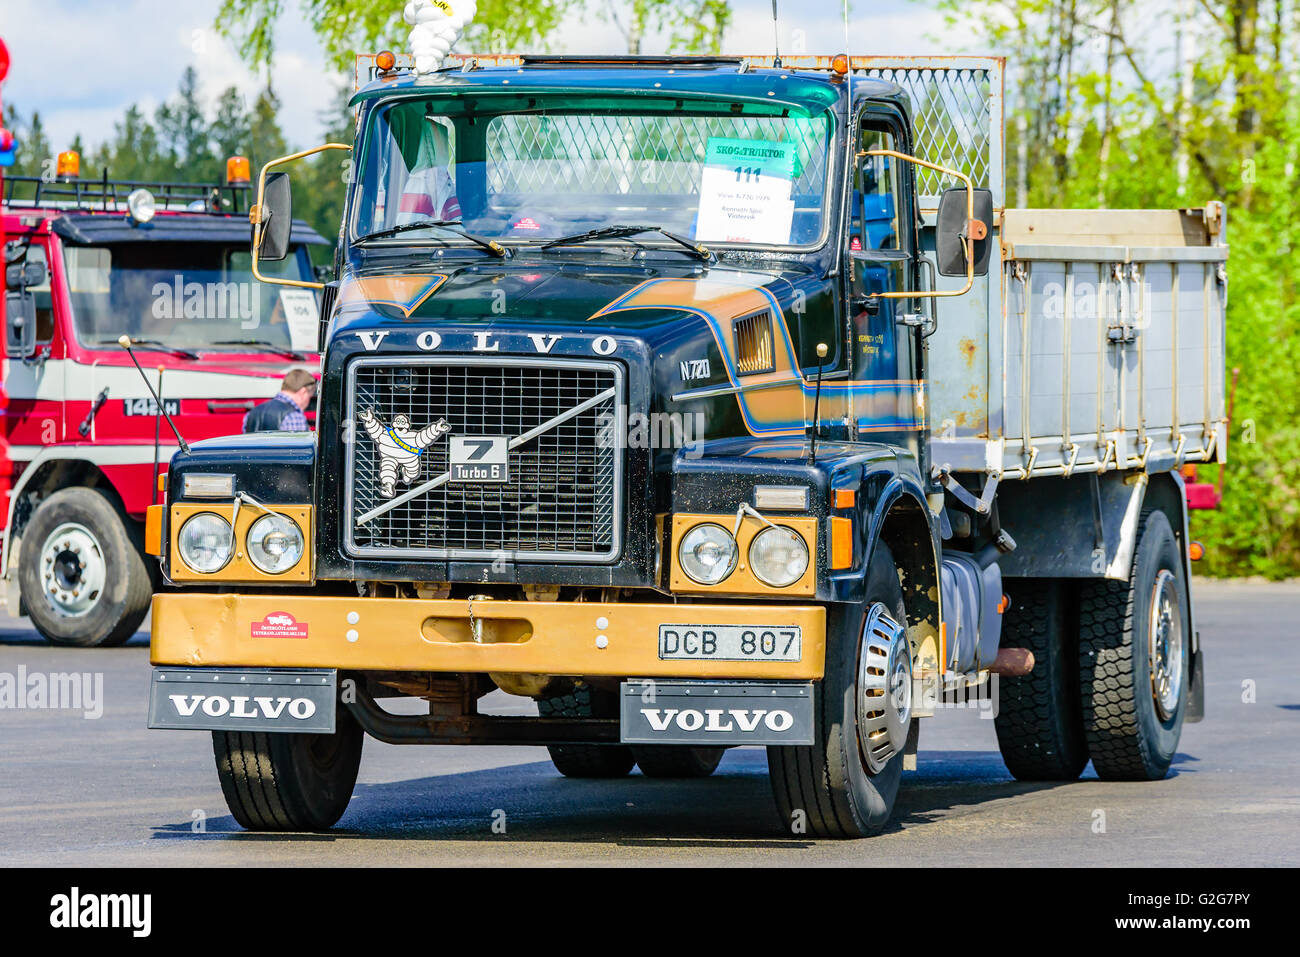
(538, 168)
(188, 296)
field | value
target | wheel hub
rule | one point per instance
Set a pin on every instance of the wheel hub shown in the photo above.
(884, 688)
(72, 570)
(1165, 644)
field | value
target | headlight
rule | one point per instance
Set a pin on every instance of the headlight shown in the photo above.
(275, 544)
(204, 542)
(778, 556)
(707, 553)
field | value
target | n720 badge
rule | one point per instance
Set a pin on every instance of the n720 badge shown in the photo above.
(480, 458)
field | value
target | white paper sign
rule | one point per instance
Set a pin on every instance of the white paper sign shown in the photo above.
(745, 192)
(303, 317)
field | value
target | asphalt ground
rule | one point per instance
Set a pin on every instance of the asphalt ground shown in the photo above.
(80, 791)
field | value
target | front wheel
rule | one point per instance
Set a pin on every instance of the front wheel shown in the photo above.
(845, 783)
(289, 782)
(1134, 654)
(83, 580)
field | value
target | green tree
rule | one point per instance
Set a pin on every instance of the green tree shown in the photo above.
(231, 129)
(344, 26)
(34, 147)
(183, 132)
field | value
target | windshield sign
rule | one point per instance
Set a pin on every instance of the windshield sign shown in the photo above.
(511, 170)
(189, 296)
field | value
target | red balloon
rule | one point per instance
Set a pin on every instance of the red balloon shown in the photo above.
(4, 60)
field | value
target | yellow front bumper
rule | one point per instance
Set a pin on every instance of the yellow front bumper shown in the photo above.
(395, 634)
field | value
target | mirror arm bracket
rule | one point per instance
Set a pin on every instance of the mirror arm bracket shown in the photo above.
(258, 218)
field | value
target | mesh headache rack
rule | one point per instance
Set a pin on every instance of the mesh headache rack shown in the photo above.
(109, 195)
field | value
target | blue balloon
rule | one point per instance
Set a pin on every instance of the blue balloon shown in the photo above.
(7, 156)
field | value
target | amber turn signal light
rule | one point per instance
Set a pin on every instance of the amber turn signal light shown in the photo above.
(1196, 551)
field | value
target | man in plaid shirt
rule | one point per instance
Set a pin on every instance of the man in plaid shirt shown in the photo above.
(283, 412)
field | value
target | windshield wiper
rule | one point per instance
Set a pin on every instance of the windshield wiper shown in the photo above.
(153, 345)
(261, 347)
(492, 246)
(626, 232)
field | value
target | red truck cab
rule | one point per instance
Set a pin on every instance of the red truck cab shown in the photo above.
(167, 264)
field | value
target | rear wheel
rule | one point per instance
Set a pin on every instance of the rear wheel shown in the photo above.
(84, 581)
(586, 760)
(1134, 653)
(845, 784)
(676, 761)
(1039, 725)
(289, 782)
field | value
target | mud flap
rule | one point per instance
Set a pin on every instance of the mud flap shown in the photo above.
(230, 699)
(1196, 693)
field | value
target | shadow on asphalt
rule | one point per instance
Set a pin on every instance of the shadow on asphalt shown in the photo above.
(733, 808)
(31, 638)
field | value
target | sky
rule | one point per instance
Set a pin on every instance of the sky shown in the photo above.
(81, 63)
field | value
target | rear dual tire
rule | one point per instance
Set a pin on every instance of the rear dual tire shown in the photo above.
(1039, 723)
(1134, 660)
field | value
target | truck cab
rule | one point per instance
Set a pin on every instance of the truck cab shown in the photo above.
(629, 407)
(86, 450)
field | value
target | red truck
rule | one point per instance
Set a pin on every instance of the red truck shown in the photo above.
(83, 448)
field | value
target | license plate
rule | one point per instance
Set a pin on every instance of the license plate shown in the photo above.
(731, 642)
(477, 459)
(229, 699)
(716, 713)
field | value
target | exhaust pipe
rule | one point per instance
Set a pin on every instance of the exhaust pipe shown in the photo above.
(1012, 662)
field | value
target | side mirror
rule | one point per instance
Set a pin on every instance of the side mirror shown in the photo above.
(950, 232)
(22, 274)
(20, 324)
(272, 216)
(275, 215)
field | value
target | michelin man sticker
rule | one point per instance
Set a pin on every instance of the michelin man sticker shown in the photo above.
(400, 447)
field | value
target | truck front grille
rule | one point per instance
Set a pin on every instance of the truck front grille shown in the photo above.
(562, 499)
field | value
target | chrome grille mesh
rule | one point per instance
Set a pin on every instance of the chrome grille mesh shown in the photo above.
(561, 500)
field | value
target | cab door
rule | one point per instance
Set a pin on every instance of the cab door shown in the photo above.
(882, 255)
(34, 416)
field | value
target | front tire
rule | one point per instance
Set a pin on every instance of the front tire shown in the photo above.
(1134, 654)
(1039, 724)
(289, 782)
(84, 581)
(842, 785)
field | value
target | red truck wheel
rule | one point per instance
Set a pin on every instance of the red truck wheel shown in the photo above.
(84, 581)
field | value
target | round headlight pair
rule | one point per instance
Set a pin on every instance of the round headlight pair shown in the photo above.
(778, 556)
(275, 543)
